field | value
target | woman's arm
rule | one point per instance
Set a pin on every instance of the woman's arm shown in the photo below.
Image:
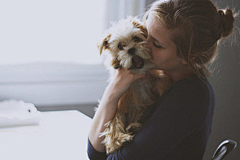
(121, 81)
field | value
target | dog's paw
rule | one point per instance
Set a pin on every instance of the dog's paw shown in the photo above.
(113, 145)
(126, 138)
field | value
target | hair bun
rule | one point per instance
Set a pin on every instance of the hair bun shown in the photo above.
(227, 20)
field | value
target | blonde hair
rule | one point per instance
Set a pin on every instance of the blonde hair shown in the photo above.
(197, 26)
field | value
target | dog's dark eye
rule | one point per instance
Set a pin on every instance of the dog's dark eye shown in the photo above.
(120, 46)
(136, 39)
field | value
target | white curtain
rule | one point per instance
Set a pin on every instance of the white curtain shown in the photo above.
(115, 10)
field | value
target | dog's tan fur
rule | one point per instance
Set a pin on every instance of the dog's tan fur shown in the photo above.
(142, 93)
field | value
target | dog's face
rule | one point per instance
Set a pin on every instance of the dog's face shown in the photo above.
(125, 41)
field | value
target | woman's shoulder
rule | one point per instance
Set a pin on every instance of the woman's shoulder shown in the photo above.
(192, 90)
(191, 96)
(193, 84)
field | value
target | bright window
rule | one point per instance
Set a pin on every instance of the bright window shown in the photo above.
(50, 31)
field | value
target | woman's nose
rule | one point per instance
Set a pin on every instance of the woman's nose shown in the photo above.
(148, 44)
(147, 39)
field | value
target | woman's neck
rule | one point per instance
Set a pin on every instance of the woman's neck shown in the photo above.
(181, 73)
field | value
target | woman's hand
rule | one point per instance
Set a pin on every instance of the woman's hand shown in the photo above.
(119, 84)
(121, 81)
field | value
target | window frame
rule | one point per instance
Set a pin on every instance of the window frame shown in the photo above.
(53, 84)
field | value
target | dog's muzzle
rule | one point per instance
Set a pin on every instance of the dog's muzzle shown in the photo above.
(138, 62)
(132, 51)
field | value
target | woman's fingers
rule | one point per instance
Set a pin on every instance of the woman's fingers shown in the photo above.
(138, 76)
(122, 80)
(128, 75)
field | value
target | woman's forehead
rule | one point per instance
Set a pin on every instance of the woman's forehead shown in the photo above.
(157, 30)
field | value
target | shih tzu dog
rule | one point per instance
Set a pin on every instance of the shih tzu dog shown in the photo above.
(125, 47)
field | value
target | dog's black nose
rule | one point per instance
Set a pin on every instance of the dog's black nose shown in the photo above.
(131, 51)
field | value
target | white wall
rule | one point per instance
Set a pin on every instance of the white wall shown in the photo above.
(44, 46)
(50, 31)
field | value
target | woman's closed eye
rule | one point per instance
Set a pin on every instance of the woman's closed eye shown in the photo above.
(157, 45)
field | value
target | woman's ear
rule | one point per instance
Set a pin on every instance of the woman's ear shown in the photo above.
(184, 61)
(190, 60)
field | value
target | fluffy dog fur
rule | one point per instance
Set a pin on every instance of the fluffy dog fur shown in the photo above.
(125, 47)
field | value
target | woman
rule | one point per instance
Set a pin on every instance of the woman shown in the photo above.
(182, 36)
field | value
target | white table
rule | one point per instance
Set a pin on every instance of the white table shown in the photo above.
(61, 135)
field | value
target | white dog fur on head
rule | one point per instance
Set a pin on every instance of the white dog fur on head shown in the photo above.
(125, 45)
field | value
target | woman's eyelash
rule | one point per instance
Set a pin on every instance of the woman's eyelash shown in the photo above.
(157, 46)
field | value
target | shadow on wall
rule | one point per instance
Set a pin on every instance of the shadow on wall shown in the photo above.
(225, 81)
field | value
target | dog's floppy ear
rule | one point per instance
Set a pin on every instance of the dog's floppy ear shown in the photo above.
(141, 27)
(104, 44)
